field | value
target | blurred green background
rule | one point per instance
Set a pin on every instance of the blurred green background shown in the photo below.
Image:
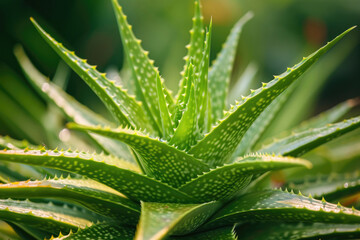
(280, 34)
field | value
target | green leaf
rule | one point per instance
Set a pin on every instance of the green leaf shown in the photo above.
(226, 233)
(72, 109)
(289, 231)
(166, 123)
(201, 86)
(160, 160)
(223, 182)
(332, 187)
(45, 216)
(124, 108)
(143, 69)
(187, 130)
(159, 220)
(218, 146)
(100, 231)
(220, 72)
(113, 172)
(300, 143)
(330, 116)
(10, 143)
(277, 205)
(91, 194)
(258, 127)
(194, 54)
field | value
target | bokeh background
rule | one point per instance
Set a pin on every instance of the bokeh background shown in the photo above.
(280, 34)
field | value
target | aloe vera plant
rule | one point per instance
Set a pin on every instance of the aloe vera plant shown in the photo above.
(181, 166)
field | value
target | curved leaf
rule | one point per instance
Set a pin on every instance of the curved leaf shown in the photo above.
(226, 233)
(218, 146)
(91, 194)
(159, 220)
(288, 231)
(332, 187)
(43, 216)
(72, 109)
(220, 72)
(277, 205)
(110, 171)
(224, 182)
(100, 231)
(166, 122)
(159, 159)
(124, 108)
(300, 143)
(143, 69)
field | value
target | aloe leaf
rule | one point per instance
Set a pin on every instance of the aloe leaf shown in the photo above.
(45, 216)
(300, 143)
(299, 107)
(10, 143)
(230, 179)
(26, 232)
(72, 109)
(243, 83)
(159, 220)
(187, 130)
(218, 146)
(160, 160)
(101, 231)
(166, 123)
(143, 69)
(220, 72)
(124, 108)
(91, 194)
(329, 116)
(194, 49)
(254, 133)
(225, 233)
(277, 205)
(288, 231)
(332, 187)
(113, 172)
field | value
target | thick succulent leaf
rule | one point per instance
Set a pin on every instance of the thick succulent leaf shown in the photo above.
(220, 72)
(277, 205)
(300, 143)
(91, 194)
(7, 232)
(287, 231)
(166, 122)
(44, 216)
(218, 146)
(123, 107)
(112, 172)
(225, 233)
(243, 83)
(100, 231)
(194, 52)
(201, 86)
(160, 160)
(254, 133)
(298, 108)
(159, 220)
(230, 179)
(187, 130)
(331, 187)
(330, 116)
(143, 69)
(10, 143)
(72, 109)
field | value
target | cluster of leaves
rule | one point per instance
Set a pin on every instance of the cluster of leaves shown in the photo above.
(177, 167)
